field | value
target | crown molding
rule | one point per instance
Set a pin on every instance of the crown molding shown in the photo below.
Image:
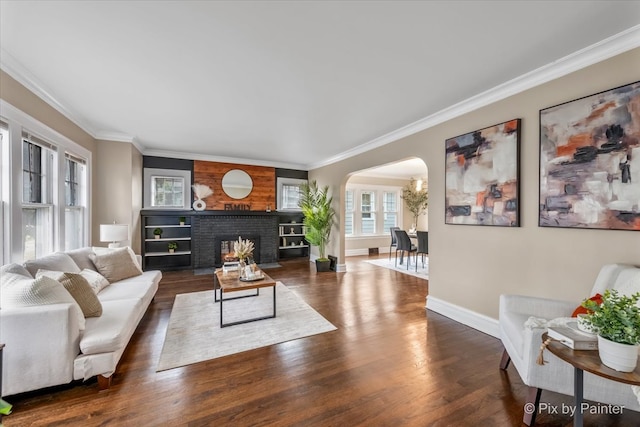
(597, 52)
(220, 159)
(23, 76)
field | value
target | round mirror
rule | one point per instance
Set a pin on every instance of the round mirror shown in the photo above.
(237, 184)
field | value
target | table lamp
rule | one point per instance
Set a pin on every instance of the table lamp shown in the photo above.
(114, 233)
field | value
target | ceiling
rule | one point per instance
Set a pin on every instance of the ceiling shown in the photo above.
(282, 83)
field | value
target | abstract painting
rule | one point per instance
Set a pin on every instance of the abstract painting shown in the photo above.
(482, 176)
(590, 161)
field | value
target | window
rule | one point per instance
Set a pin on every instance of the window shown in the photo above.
(348, 216)
(377, 209)
(74, 212)
(368, 212)
(390, 209)
(167, 191)
(289, 190)
(166, 188)
(37, 212)
(45, 199)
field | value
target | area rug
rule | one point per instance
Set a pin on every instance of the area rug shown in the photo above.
(423, 272)
(194, 333)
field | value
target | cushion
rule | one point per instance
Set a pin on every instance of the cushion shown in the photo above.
(18, 291)
(96, 280)
(15, 268)
(79, 289)
(58, 261)
(82, 259)
(581, 310)
(117, 264)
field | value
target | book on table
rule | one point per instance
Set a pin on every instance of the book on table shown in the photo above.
(573, 337)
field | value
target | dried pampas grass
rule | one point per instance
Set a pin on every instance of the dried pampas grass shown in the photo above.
(201, 191)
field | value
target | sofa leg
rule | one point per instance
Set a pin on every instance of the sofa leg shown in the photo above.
(104, 382)
(531, 407)
(504, 362)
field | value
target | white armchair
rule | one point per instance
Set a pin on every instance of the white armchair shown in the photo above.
(522, 343)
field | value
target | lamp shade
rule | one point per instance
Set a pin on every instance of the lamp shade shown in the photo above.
(114, 233)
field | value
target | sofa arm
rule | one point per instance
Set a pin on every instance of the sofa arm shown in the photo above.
(41, 343)
(535, 306)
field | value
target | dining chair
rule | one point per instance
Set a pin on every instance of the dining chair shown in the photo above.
(404, 245)
(394, 241)
(423, 246)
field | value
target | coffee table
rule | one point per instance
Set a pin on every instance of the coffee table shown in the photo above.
(587, 360)
(229, 281)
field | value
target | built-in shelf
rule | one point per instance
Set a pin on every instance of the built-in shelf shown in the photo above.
(167, 253)
(294, 246)
(167, 239)
(291, 229)
(155, 251)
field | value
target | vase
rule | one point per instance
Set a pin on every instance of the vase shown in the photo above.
(199, 205)
(242, 263)
(621, 357)
(171, 251)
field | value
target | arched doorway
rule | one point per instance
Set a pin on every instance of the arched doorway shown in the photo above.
(373, 203)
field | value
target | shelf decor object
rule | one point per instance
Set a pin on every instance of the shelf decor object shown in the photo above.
(590, 161)
(114, 233)
(201, 191)
(482, 176)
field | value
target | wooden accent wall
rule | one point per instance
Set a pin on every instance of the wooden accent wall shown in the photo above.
(262, 194)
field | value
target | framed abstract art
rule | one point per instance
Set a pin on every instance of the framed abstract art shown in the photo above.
(590, 161)
(482, 176)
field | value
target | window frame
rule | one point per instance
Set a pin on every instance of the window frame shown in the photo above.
(377, 211)
(147, 192)
(21, 125)
(280, 183)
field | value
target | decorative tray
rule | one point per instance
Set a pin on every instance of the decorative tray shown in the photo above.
(253, 279)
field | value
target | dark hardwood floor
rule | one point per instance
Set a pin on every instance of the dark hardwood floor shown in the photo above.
(390, 363)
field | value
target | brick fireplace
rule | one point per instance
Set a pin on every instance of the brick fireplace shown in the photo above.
(209, 231)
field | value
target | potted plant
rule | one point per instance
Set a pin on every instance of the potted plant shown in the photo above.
(157, 233)
(182, 220)
(617, 322)
(172, 246)
(319, 215)
(416, 200)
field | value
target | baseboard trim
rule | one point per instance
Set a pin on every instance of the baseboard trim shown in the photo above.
(465, 316)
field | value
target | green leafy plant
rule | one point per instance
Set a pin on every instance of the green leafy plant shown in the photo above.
(157, 232)
(416, 200)
(617, 318)
(172, 245)
(319, 215)
(181, 219)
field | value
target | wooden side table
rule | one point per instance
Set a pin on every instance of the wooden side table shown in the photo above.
(587, 360)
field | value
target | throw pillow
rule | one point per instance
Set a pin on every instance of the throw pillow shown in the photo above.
(81, 258)
(18, 291)
(96, 280)
(117, 265)
(58, 261)
(80, 290)
(581, 310)
(15, 268)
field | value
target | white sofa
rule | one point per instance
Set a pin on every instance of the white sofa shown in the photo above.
(45, 344)
(522, 323)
